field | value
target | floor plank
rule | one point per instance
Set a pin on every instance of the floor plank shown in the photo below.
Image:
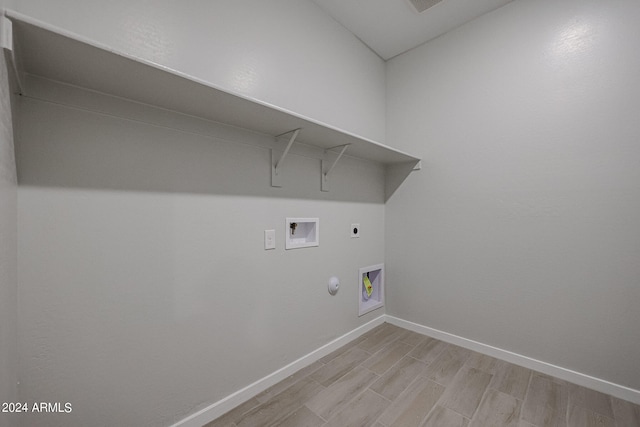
(413, 404)
(302, 417)
(445, 366)
(546, 402)
(387, 357)
(284, 384)
(335, 397)
(465, 392)
(398, 378)
(361, 412)
(590, 399)
(441, 417)
(626, 413)
(482, 362)
(339, 366)
(280, 406)
(380, 337)
(497, 410)
(582, 417)
(329, 357)
(428, 350)
(511, 379)
(412, 338)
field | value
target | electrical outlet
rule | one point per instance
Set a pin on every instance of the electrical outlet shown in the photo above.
(269, 239)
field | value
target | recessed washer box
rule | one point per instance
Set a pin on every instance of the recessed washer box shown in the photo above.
(375, 276)
(302, 233)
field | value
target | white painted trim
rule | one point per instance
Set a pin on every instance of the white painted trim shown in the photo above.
(574, 377)
(223, 406)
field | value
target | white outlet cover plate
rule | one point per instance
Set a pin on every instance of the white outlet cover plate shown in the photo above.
(269, 239)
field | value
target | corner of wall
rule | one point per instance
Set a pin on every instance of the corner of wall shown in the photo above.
(8, 252)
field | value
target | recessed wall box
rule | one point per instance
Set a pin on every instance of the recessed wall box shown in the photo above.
(370, 288)
(302, 233)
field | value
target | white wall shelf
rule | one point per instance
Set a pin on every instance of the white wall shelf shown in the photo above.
(42, 50)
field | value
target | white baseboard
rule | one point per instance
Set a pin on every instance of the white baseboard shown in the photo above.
(223, 406)
(593, 383)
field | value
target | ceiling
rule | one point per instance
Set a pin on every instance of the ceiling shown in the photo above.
(391, 27)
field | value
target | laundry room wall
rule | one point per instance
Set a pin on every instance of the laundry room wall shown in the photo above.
(145, 290)
(526, 214)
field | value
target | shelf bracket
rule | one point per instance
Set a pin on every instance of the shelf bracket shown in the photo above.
(325, 175)
(276, 167)
(6, 43)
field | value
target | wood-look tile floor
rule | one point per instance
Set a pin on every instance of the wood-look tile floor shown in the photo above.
(392, 377)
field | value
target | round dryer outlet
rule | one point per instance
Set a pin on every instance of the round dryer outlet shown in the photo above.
(334, 285)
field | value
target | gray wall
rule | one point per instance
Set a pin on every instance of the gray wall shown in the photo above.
(522, 231)
(146, 293)
(8, 252)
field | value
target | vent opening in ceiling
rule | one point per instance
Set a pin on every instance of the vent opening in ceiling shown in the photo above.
(422, 5)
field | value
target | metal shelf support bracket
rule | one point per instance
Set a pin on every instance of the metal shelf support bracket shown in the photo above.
(6, 44)
(325, 175)
(276, 166)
